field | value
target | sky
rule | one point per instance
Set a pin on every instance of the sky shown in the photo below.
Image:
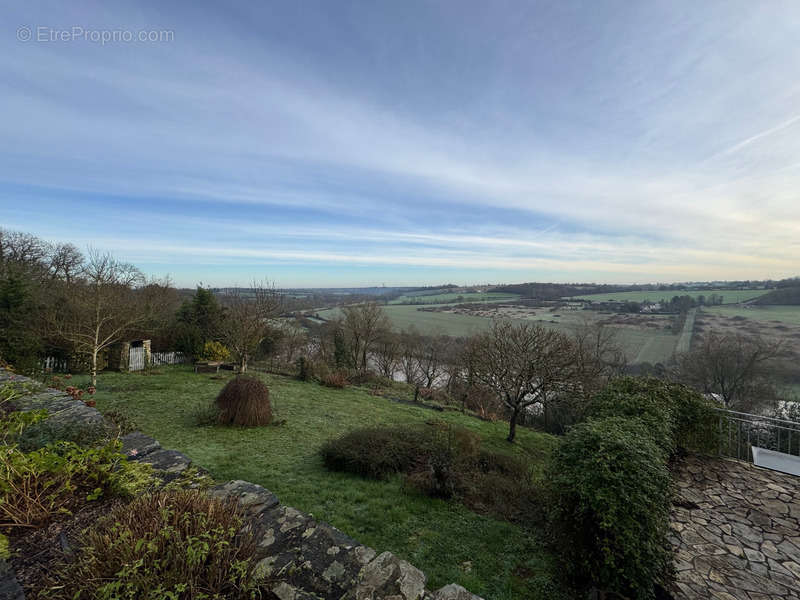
(407, 143)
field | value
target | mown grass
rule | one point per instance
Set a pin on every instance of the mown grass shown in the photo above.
(494, 559)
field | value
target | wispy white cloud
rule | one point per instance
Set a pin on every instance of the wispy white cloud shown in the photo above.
(608, 159)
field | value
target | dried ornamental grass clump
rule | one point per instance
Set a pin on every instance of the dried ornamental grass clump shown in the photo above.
(170, 545)
(244, 401)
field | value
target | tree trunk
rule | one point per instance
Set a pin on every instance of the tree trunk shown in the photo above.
(364, 360)
(243, 363)
(94, 367)
(512, 426)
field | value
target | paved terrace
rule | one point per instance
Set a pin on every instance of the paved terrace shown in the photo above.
(736, 530)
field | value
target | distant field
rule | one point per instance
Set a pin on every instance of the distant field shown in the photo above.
(784, 314)
(728, 296)
(640, 345)
(455, 297)
(426, 322)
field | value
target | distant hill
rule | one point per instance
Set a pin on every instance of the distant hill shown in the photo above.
(786, 295)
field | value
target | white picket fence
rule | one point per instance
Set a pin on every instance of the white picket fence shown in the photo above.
(51, 364)
(136, 361)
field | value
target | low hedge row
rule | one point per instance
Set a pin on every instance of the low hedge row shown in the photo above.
(609, 484)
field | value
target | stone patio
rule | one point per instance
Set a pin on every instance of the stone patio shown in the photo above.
(736, 530)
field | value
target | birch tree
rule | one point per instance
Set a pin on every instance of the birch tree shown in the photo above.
(248, 319)
(108, 300)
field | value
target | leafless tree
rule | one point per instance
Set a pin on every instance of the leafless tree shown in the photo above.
(387, 353)
(598, 356)
(733, 366)
(248, 319)
(524, 364)
(109, 300)
(408, 358)
(431, 357)
(65, 261)
(362, 325)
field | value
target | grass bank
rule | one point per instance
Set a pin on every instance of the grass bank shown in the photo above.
(494, 559)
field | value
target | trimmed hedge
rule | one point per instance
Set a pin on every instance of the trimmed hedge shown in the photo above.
(609, 484)
(610, 506)
(675, 415)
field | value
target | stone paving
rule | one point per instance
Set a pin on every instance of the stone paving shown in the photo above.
(736, 531)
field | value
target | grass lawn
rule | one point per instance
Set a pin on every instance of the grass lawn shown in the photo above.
(492, 558)
(728, 296)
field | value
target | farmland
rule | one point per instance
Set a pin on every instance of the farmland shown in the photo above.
(643, 338)
(788, 315)
(728, 296)
(445, 297)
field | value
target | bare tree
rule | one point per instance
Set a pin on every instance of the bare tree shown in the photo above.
(387, 353)
(247, 321)
(65, 261)
(524, 364)
(109, 300)
(432, 353)
(732, 366)
(598, 356)
(363, 324)
(408, 358)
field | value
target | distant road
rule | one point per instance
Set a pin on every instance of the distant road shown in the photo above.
(685, 341)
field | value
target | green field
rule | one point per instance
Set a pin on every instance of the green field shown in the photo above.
(639, 345)
(454, 297)
(728, 296)
(784, 314)
(426, 322)
(492, 558)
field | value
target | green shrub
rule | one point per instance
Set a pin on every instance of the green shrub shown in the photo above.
(305, 369)
(696, 420)
(122, 423)
(441, 461)
(37, 485)
(53, 430)
(179, 545)
(609, 506)
(13, 423)
(377, 452)
(676, 416)
(645, 398)
(244, 401)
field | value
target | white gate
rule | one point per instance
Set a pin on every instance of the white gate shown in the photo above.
(136, 359)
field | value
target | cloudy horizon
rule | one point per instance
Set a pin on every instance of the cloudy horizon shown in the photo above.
(359, 144)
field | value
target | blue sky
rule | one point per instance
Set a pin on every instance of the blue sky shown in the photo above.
(348, 143)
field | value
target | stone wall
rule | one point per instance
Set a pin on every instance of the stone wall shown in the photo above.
(307, 559)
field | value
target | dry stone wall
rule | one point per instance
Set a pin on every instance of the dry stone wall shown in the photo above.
(305, 558)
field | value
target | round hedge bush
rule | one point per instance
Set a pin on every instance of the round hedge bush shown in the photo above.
(244, 401)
